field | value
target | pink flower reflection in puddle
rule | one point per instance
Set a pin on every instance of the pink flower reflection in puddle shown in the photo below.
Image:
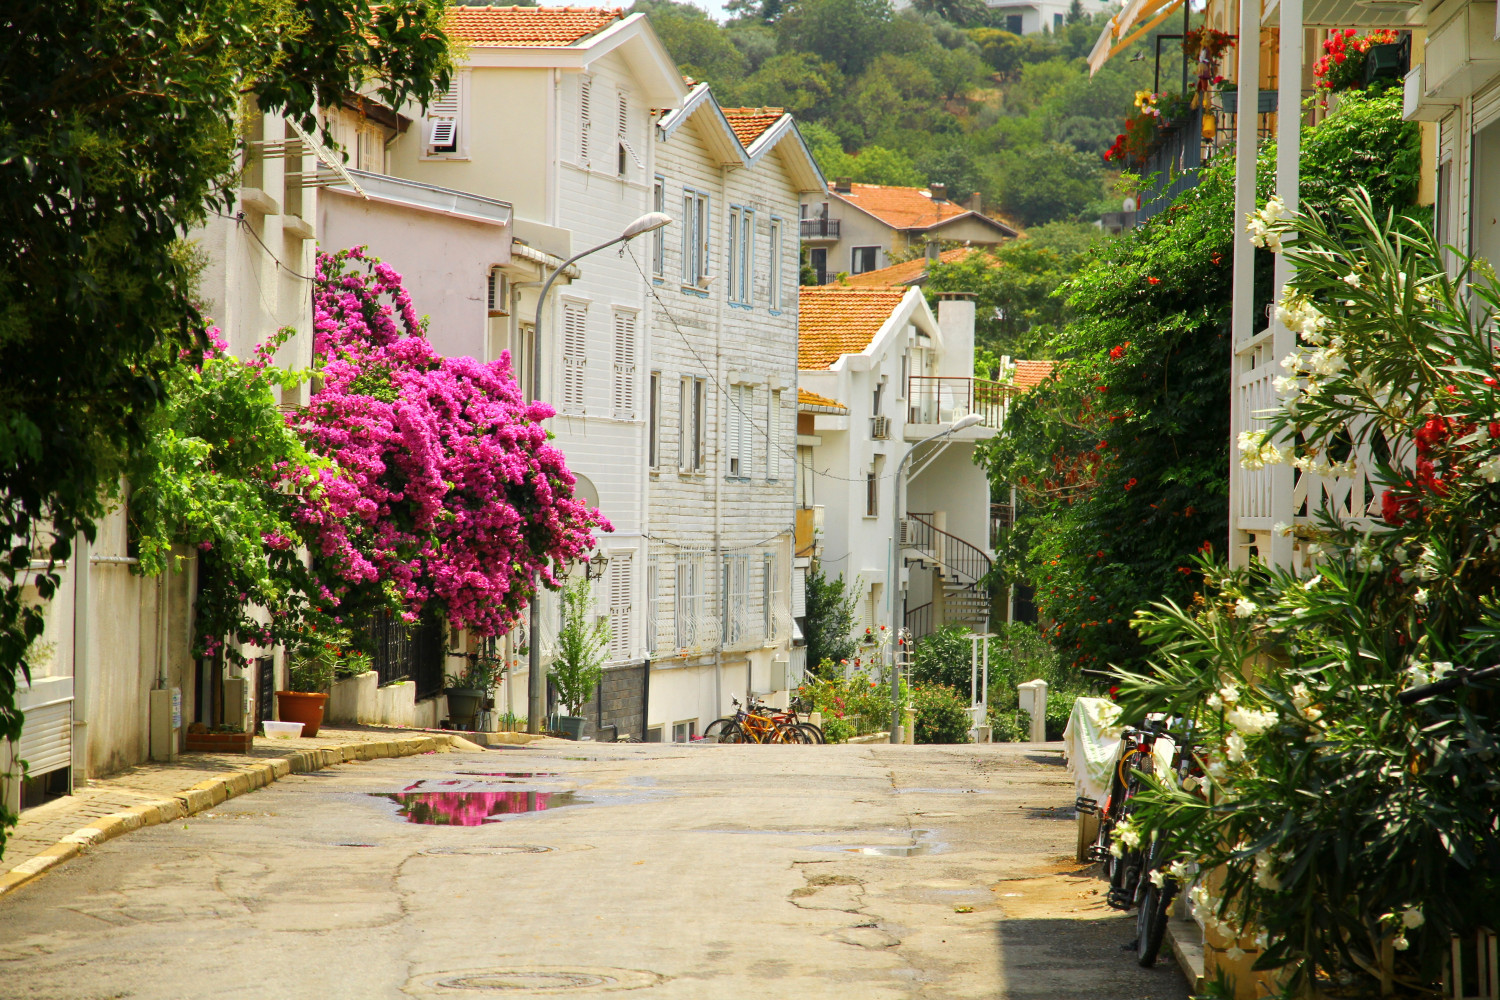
(470, 807)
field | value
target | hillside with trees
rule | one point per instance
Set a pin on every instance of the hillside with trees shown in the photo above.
(936, 93)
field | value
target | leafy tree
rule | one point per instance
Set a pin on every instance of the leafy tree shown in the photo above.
(701, 48)
(805, 85)
(830, 618)
(1017, 309)
(756, 42)
(954, 11)
(118, 136)
(847, 33)
(1002, 51)
(955, 71)
(582, 642)
(942, 714)
(1048, 182)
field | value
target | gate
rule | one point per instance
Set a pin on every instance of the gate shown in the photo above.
(401, 652)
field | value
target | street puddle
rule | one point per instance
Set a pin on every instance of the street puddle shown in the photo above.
(922, 843)
(472, 808)
(508, 777)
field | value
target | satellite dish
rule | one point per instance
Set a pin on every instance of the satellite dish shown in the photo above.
(1130, 205)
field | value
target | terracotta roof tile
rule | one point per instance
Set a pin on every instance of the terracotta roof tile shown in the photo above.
(805, 398)
(505, 27)
(907, 272)
(834, 320)
(1029, 374)
(750, 124)
(901, 207)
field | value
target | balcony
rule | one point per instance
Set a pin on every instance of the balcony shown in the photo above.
(820, 229)
(935, 399)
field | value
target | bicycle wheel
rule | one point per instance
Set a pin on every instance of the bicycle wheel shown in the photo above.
(786, 732)
(713, 728)
(1151, 922)
(731, 732)
(814, 731)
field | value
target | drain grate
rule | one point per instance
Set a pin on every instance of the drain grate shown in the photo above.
(490, 849)
(535, 981)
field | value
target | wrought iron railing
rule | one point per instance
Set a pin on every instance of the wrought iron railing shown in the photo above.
(941, 399)
(919, 621)
(959, 561)
(399, 651)
(820, 229)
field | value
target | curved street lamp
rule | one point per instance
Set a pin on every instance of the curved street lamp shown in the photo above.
(894, 580)
(536, 685)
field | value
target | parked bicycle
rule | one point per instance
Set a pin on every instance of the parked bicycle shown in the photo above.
(760, 723)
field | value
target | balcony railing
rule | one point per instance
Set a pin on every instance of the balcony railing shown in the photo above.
(820, 229)
(939, 399)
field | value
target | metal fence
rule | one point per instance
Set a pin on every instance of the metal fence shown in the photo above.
(401, 651)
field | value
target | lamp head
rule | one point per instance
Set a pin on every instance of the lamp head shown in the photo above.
(968, 420)
(645, 224)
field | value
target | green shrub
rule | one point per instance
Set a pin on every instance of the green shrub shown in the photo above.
(837, 730)
(942, 714)
(857, 702)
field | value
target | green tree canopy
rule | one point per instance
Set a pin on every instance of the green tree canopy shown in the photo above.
(847, 33)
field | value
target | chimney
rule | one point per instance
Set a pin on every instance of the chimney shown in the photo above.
(843, 185)
(955, 316)
(939, 192)
(934, 250)
(976, 202)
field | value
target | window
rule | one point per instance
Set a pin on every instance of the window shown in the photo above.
(777, 264)
(624, 367)
(690, 425)
(621, 135)
(737, 423)
(879, 397)
(733, 244)
(442, 121)
(768, 595)
(620, 644)
(1057, 22)
(862, 259)
(654, 734)
(1013, 23)
(695, 227)
(659, 237)
(747, 256)
(685, 732)
(773, 434)
(817, 259)
(689, 598)
(653, 604)
(585, 116)
(653, 421)
(872, 493)
(575, 356)
(737, 590)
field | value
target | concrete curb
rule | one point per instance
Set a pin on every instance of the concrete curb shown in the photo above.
(207, 794)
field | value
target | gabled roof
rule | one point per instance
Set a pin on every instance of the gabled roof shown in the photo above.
(910, 208)
(528, 26)
(741, 136)
(814, 403)
(834, 320)
(909, 272)
(750, 124)
(1027, 375)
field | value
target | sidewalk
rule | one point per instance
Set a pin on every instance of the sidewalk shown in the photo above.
(152, 793)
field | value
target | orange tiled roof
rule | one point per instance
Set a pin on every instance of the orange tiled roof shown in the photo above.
(528, 26)
(907, 272)
(834, 320)
(750, 124)
(901, 207)
(1029, 374)
(805, 398)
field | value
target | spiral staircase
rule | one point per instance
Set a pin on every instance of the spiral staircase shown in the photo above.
(959, 594)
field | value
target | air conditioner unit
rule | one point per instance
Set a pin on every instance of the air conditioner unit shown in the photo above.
(880, 428)
(498, 295)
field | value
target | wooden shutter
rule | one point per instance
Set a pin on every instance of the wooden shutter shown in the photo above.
(624, 371)
(732, 430)
(620, 644)
(773, 433)
(585, 114)
(575, 357)
(442, 120)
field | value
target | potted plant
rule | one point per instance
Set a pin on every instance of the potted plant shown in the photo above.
(309, 674)
(580, 656)
(468, 691)
(218, 739)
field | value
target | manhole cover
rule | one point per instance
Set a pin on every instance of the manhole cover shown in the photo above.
(490, 849)
(534, 981)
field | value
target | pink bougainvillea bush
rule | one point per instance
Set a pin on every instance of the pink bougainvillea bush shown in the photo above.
(442, 490)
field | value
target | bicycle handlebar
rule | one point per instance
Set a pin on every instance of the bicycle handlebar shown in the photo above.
(1457, 679)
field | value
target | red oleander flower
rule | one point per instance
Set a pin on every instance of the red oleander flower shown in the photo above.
(1154, 281)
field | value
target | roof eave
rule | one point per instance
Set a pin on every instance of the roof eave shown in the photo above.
(803, 166)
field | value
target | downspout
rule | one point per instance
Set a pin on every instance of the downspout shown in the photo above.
(720, 376)
(83, 647)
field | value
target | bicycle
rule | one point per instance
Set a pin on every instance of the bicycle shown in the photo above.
(758, 724)
(1155, 902)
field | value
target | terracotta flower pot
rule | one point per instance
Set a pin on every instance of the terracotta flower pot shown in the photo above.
(305, 707)
(220, 742)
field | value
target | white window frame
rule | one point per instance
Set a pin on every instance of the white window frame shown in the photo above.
(747, 257)
(696, 247)
(691, 422)
(732, 256)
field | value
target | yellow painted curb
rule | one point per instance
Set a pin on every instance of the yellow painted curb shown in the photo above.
(207, 794)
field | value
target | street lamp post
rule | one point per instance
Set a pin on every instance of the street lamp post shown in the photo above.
(898, 603)
(536, 685)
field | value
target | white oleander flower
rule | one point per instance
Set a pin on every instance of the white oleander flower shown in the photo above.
(1234, 748)
(1234, 953)
(1310, 584)
(1117, 849)
(1230, 695)
(1281, 528)
(1420, 596)
(1179, 870)
(1275, 209)
(1159, 878)
(1263, 940)
(1411, 917)
(1401, 944)
(1250, 722)
(1489, 469)
(1264, 876)
(1189, 783)
(1351, 279)
(1244, 608)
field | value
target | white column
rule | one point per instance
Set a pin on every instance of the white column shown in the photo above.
(1247, 77)
(1288, 154)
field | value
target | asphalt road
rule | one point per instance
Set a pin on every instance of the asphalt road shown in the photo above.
(865, 872)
